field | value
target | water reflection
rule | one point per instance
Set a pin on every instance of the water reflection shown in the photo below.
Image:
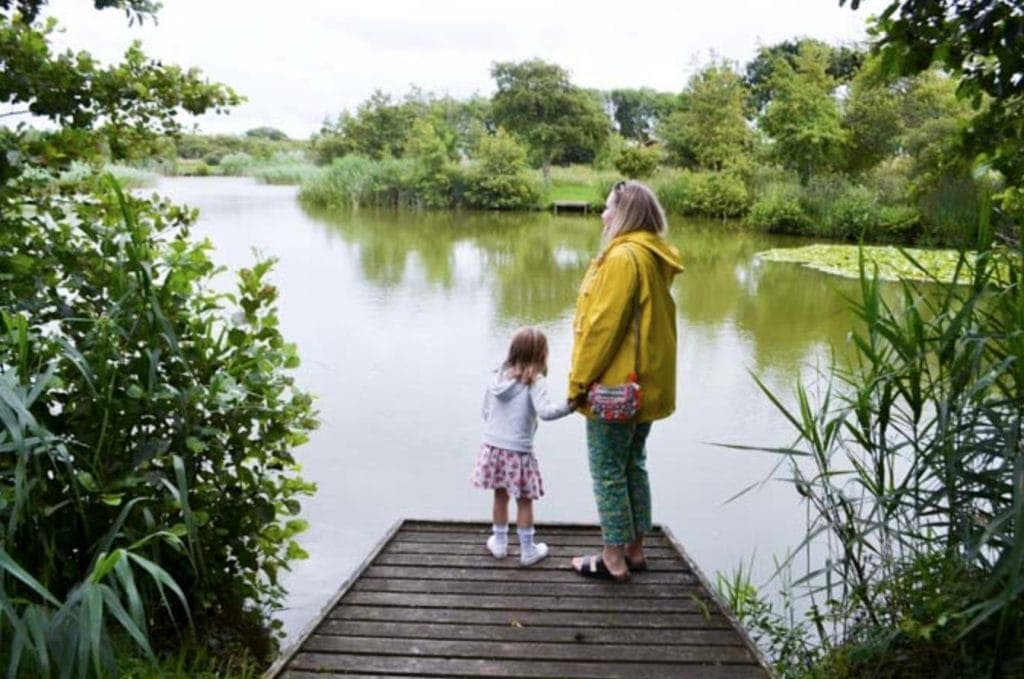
(532, 265)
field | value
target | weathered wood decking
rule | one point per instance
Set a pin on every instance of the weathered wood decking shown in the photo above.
(431, 601)
(570, 206)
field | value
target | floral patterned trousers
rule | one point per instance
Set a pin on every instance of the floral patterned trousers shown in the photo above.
(618, 468)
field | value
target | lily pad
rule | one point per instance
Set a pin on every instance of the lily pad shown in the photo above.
(892, 263)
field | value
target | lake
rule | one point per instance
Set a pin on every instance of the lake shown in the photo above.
(400, 317)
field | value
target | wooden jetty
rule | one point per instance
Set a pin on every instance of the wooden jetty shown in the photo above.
(570, 206)
(431, 601)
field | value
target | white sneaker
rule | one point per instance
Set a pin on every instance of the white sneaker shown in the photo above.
(497, 548)
(530, 557)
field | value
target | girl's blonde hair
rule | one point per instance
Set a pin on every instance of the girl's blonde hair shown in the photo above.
(527, 355)
(634, 208)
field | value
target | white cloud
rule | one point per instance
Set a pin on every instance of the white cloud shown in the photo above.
(301, 61)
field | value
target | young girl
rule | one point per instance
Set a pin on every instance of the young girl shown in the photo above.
(506, 462)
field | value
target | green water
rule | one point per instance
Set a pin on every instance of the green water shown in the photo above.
(400, 317)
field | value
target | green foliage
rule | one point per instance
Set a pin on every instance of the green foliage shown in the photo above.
(380, 127)
(355, 181)
(235, 164)
(709, 128)
(855, 215)
(779, 209)
(147, 422)
(910, 463)
(162, 413)
(891, 264)
(117, 107)
(284, 168)
(536, 102)
(132, 177)
(214, 148)
(843, 64)
(976, 41)
(499, 178)
(637, 112)
(802, 117)
(268, 133)
(637, 162)
(432, 170)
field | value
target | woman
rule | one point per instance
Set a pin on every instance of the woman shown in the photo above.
(625, 322)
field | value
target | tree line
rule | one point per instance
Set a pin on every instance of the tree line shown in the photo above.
(805, 138)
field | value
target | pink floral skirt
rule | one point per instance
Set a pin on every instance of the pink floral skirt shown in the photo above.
(517, 473)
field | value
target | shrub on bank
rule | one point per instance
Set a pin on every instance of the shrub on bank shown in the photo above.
(779, 210)
(499, 178)
(150, 424)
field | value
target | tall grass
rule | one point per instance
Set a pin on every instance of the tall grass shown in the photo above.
(912, 466)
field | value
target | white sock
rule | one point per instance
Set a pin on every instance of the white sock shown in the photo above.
(500, 532)
(525, 539)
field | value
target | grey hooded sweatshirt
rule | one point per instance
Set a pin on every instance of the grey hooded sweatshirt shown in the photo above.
(511, 409)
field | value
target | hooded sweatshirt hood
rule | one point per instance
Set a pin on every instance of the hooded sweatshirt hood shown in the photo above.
(503, 387)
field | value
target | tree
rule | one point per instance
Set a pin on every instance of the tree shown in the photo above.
(844, 62)
(265, 132)
(636, 112)
(536, 102)
(122, 109)
(873, 119)
(709, 130)
(802, 118)
(979, 42)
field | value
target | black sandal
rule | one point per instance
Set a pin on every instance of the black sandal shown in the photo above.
(593, 566)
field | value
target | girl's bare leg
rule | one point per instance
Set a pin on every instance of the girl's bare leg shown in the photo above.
(499, 513)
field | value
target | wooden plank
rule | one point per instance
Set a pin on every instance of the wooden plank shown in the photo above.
(488, 561)
(463, 667)
(555, 551)
(577, 635)
(546, 526)
(741, 631)
(447, 648)
(552, 538)
(533, 618)
(563, 575)
(599, 590)
(566, 603)
(430, 601)
(290, 652)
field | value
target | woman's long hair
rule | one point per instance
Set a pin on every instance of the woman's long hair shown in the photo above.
(634, 208)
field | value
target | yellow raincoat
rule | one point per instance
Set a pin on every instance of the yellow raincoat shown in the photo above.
(604, 335)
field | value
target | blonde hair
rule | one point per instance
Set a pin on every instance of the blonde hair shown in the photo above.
(527, 355)
(634, 208)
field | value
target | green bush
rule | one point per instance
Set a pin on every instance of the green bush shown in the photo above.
(637, 162)
(235, 164)
(499, 178)
(148, 430)
(718, 194)
(855, 215)
(779, 210)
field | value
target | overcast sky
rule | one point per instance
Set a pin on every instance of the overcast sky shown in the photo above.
(301, 61)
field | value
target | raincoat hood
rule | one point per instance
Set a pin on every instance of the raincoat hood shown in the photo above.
(664, 252)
